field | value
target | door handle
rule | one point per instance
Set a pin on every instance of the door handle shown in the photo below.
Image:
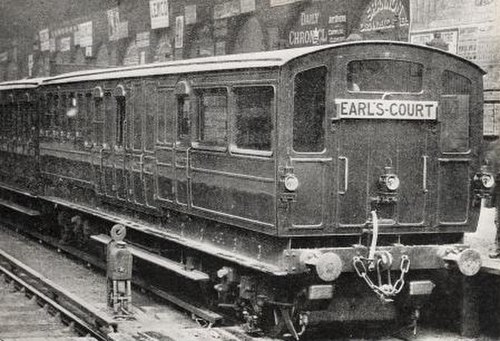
(346, 174)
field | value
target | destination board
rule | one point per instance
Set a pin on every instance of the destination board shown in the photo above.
(386, 109)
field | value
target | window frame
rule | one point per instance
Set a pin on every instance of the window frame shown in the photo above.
(325, 118)
(443, 95)
(353, 92)
(195, 110)
(233, 131)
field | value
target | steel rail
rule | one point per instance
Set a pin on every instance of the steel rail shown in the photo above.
(86, 321)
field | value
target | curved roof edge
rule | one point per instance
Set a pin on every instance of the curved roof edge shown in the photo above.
(21, 84)
(255, 60)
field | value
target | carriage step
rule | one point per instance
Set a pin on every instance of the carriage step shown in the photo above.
(19, 208)
(178, 268)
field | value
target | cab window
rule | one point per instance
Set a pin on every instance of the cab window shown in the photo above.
(454, 114)
(309, 110)
(254, 109)
(378, 75)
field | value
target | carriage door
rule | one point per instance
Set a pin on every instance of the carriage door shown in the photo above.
(309, 159)
(134, 154)
(98, 139)
(383, 129)
(184, 95)
(150, 167)
(455, 163)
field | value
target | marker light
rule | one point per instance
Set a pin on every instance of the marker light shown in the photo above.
(291, 183)
(488, 181)
(392, 182)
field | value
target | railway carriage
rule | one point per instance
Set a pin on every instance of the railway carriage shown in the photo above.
(291, 181)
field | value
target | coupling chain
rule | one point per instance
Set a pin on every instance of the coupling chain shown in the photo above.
(384, 291)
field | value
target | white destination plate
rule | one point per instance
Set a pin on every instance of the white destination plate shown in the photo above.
(386, 109)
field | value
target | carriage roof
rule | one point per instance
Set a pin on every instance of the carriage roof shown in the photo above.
(21, 84)
(256, 60)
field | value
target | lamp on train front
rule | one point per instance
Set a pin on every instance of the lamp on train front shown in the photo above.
(484, 185)
(291, 183)
(388, 184)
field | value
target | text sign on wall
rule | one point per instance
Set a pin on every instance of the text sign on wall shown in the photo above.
(65, 44)
(448, 36)
(85, 34)
(116, 29)
(44, 40)
(386, 109)
(158, 10)
(381, 14)
(318, 26)
(179, 32)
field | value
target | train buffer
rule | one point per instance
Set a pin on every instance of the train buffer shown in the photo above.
(491, 266)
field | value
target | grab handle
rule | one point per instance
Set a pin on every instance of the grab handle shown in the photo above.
(424, 174)
(346, 174)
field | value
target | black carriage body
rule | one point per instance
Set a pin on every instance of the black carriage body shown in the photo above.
(173, 137)
(19, 136)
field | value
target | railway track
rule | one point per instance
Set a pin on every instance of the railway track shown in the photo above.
(33, 307)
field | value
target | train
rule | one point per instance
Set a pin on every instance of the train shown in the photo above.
(296, 187)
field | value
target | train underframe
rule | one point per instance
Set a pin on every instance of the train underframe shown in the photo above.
(275, 286)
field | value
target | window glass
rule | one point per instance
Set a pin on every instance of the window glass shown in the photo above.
(151, 104)
(121, 107)
(454, 114)
(254, 109)
(108, 118)
(377, 75)
(98, 121)
(212, 117)
(166, 103)
(183, 108)
(309, 110)
(138, 109)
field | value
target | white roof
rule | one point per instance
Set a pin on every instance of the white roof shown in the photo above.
(21, 84)
(267, 59)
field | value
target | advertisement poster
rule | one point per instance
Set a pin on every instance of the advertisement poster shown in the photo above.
(44, 40)
(179, 32)
(450, 37)
(159, 13)
(318, 25)
(85, 34)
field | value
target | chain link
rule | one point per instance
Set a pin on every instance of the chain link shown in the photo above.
(387, 290)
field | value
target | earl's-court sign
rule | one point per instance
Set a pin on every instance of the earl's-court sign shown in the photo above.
(386, 109)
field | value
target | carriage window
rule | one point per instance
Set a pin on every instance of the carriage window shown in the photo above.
(151, 98)
(309, 110)
(183, 107)
(254, 108)
(98, 121)
(120, 119)
(454, 114)
(166, 101)
(212, 115)
(378, 75)
(138, 108)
